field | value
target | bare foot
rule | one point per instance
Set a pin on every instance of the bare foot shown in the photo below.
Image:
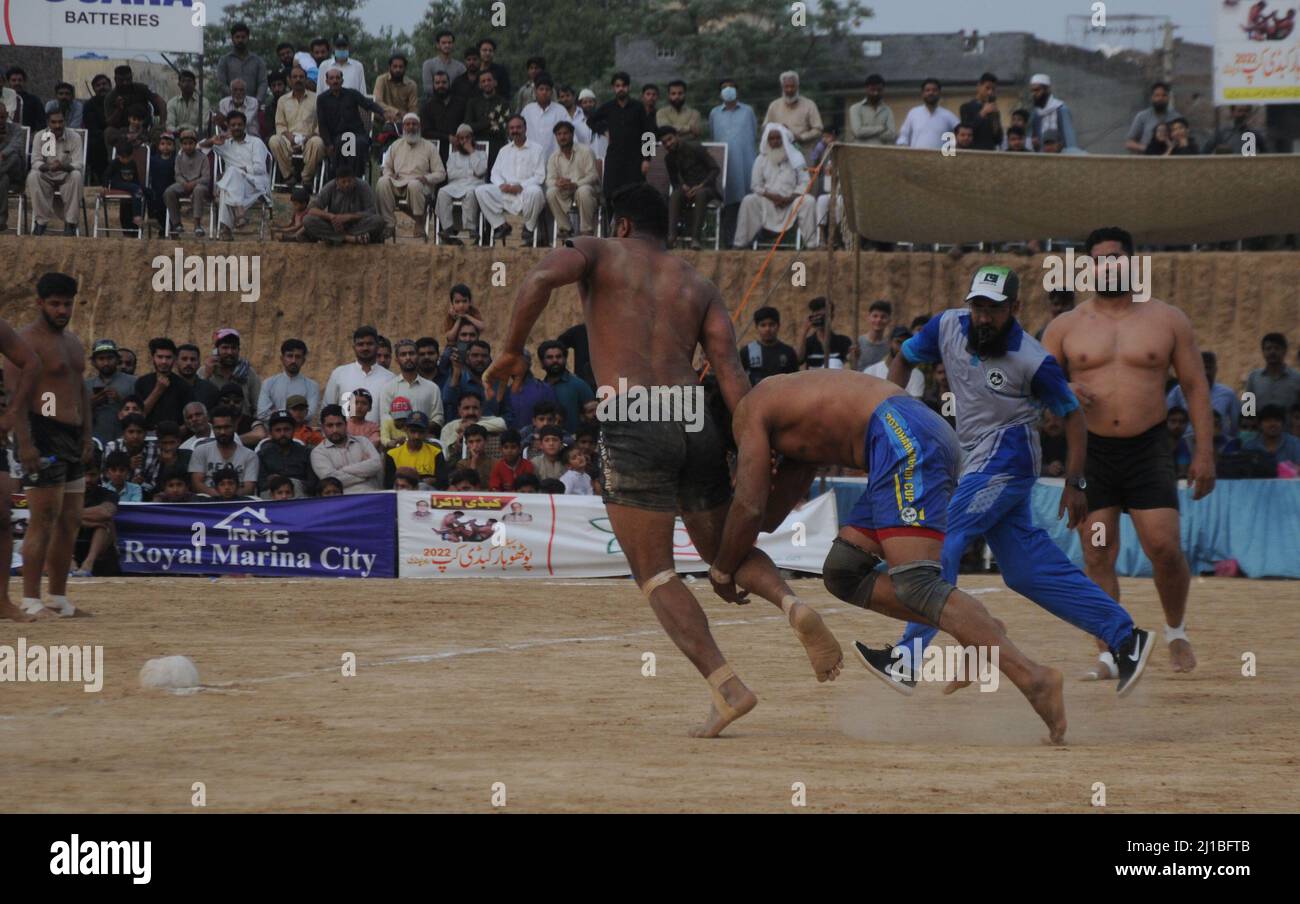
(823, 649)
(1181, 657)
(736, 700)
(953, 687)
(1047, 696)
(10, 611)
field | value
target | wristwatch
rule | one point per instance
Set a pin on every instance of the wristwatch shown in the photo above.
(1079, 483)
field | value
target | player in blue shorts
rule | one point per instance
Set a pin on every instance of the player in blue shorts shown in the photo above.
(1001, 378)
(835, 417)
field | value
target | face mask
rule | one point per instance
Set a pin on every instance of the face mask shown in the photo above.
(728, 94)
(340, 55)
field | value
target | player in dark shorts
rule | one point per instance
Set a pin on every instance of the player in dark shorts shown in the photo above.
(1131, 471)
(646, 311)
(21, 371)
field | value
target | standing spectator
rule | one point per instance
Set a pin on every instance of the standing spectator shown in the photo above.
(94, 116)
(229, 367)
(543, 116)
(394, 91)
(873, 346)
(571, 178)
(1230, 139)
(467, 376)
(1222, 398)
(248, 430)
(441, 114)
(55, 175)
(767, 355)
(982, 113)
(1181, 142)
(797, 113)
(165, 395)
(575, 338)
(277, 390)
(65, 101)
(244, 101)
(1272, 439)
(466, 85)
(13, 161)
(686, 120)
(162, 175)
(197, 425)
(244, 180)
(528, 92)
(193, 180)
(128, 360)
(312, 60)
(188, 359)
(1144, 124)
(571, 393)
(817, 335)
(870, 120)
(927, 123)
(1050, 114)
(650, 100)
(466, 167)
(880, 370)
(412, 171)
(226, 452)
(516, 185)
(108, 388)
(283, 61)
(442, 61)
(279, 85)
(129, 95)
(693, 174)
(524, 399)
(487, 51)
(1058, 302)
(624, 122)
(141, 452)
(427, 352)
(511, 466)
(488, 113)
(423, 395)
(353, 73)
(33, 113)
(352, 461)
(1274, 383)
(345, 211)
(469, 413)
(777, 180)
(338, 114)
(283, 456)
(296, 129)
(365, 372)
(599, 143)
(241, 63)
(417, 452)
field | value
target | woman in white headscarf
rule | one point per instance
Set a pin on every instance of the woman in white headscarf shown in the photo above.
(776, 183)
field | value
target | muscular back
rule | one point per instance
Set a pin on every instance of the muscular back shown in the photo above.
(645, 311)
(815, 416)
(1122, 358)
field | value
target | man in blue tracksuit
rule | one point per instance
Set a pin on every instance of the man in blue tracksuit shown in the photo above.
(1000, 379)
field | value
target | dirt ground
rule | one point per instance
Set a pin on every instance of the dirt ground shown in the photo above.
(539, 686)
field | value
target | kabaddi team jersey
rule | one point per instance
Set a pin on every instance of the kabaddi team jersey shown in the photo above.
(998, 401)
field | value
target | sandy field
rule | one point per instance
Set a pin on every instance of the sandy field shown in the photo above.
(538, 685)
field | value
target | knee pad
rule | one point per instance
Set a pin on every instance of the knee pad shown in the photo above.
(920, 587)
(850, 573)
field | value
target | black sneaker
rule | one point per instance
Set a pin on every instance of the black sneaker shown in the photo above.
(1131, 659)
(887, 667)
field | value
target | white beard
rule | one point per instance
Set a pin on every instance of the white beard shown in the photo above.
(412, 139)
(775, 156)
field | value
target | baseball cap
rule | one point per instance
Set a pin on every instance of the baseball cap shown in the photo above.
(104, 346)
(400, 405)
(900, 332)
(1041, 79)
(295, 401)
(230, 389)
(995, 284)
(280, 417)
(419, 420)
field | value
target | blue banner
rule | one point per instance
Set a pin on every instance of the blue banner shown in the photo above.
(337, 536)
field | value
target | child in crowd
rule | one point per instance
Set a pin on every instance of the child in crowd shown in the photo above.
(299, 198)
(550, 464)
(357, 423)
(124, 175)
(507, 472)
(406, 479)
(175, 487)
(527, 483)
(476, 455)
(461, 309)
(331, 486)
(116, 467)
(576, 480)
(226, 481)
(463, 480)
(280, 487)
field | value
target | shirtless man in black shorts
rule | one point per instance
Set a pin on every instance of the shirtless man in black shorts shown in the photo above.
(1117, 352)
(22, 367)
(646, 311)
(54, 445)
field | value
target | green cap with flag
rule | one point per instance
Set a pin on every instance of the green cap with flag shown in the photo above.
(995, 284)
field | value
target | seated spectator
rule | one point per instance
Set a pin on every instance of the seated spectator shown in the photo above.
(776, 182)
(280, 488)
(296, 229)
(508, 469)
(352, 461)
(1274, 383)
(393, 91)
(576, 480)
(406, 479)
(193, 180)
(1294, 420)
(463, 480)
(141, 452)
(767, 356)
(241, 100)
(476, 455)
(171, 456)
(197, 426)
(175, 487)
(412, 172)
(571, 179)
(1176, 423)
(279, 85)
(55, 174)
(345, 211)
(227, 486)
(296, 130)
(527, 483)
(393, 432)
(117, 465)
(814, 338)
(516, 184)
(545, 413)
(551, 485)
(1272, 439)
(359, 423)
(338, 115)
(915, 383)
(1222, 398)
(331, 486)
(420, 394)
(304, 432)
(469, 412)
(249, 431)
(282, 455)
(550, 464)
(693, 174)
(244, 179)
(225, 453)
(66, 102)
(124, 175)
(417, 452)
(97, 534)
(466, 169)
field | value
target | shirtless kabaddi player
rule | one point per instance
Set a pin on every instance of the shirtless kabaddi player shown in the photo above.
(22, 368)
(913, 457)
(646, 311)
(1117, 353)
(54, 446)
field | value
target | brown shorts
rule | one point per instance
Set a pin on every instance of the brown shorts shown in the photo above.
(660, 466)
